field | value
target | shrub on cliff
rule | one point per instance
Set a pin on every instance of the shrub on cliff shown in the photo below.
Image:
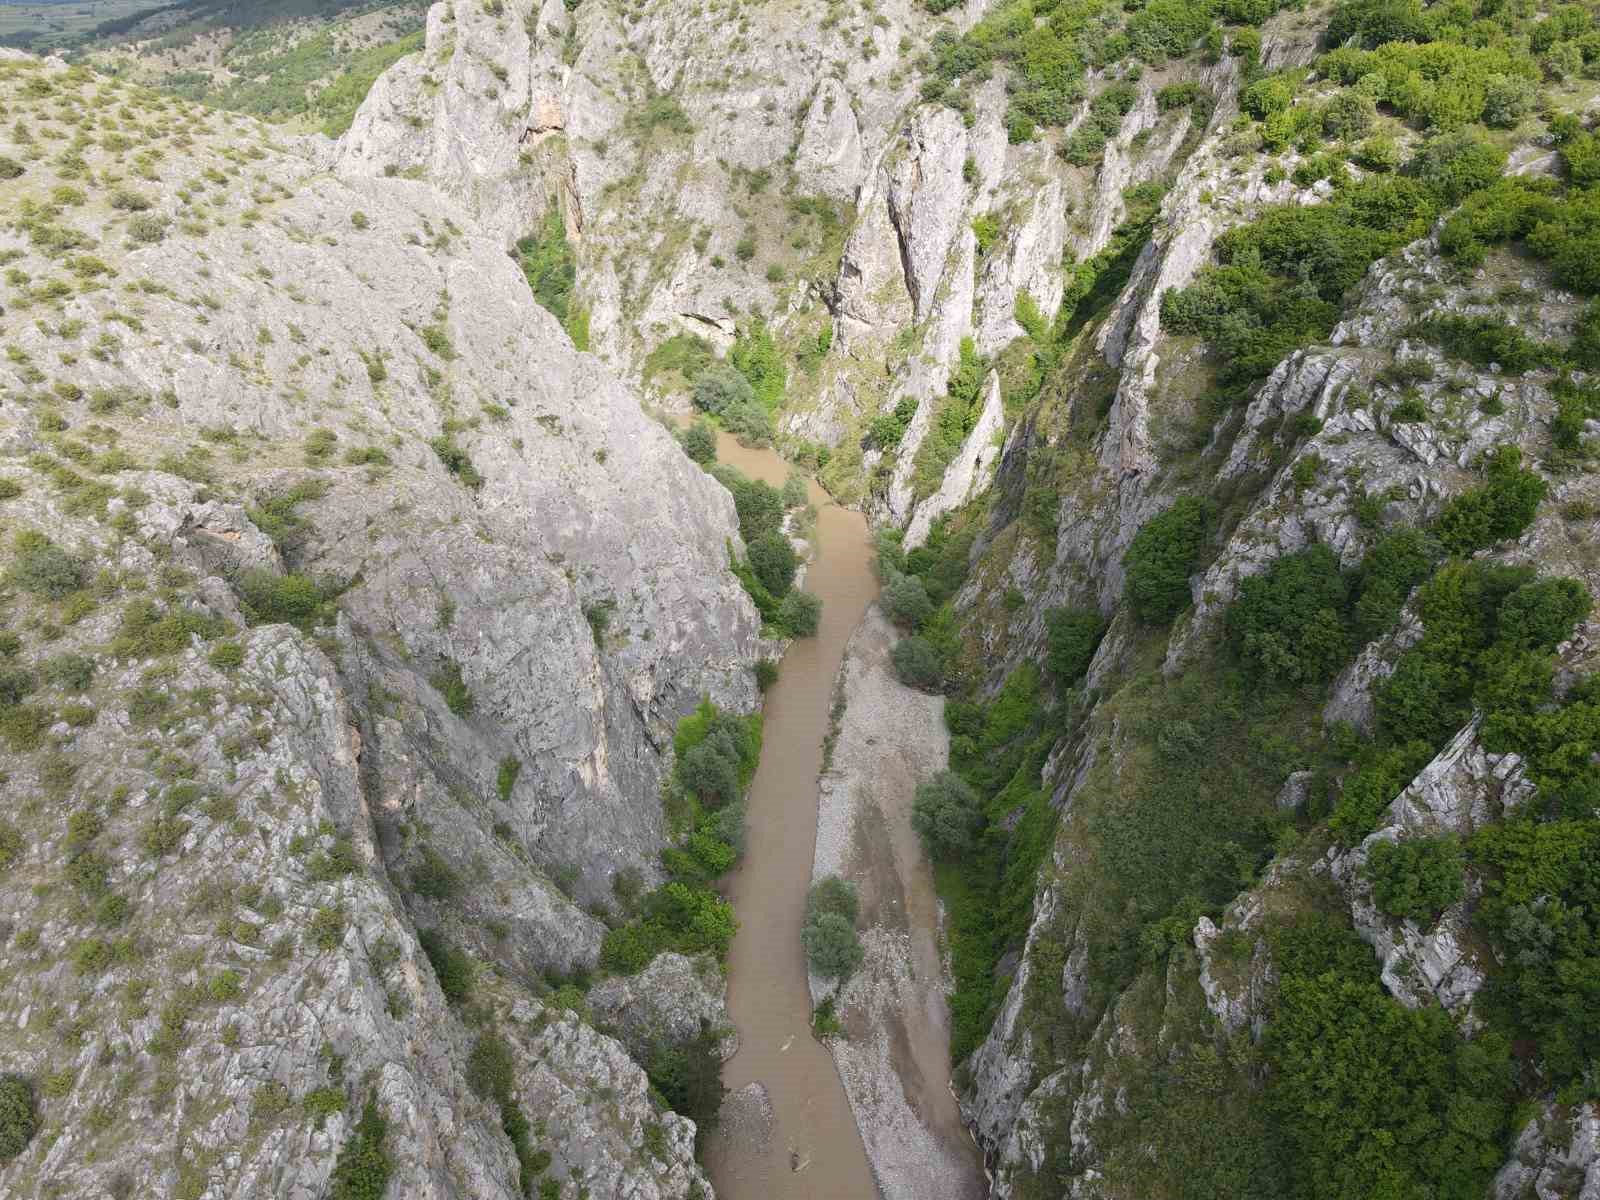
(1416, 879)
(18, 1117)
(1160, 559)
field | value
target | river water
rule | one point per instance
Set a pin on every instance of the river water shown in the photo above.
(815, 1151)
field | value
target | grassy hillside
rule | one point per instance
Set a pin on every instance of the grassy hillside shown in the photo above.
(309, 62)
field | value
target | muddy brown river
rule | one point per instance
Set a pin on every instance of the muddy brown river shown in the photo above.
(815, 1150)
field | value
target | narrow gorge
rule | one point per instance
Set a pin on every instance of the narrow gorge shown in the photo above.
(884, 599)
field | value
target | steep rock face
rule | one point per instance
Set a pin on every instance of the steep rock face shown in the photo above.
(1556, 1154)
(970, 472)
(789, 177)
(584, 507)
(671, 1000)
(1315, 441)
(327, 403)
(1453, 794)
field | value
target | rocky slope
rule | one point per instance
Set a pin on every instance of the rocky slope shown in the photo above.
(343, 599)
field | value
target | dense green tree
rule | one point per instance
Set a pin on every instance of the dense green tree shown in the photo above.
(720, 387)
(1072, 635)
(1160, 559)
(905, 600)
(700, 443)
(19, 1119)
(1500, 508)
(947, 814)
(1417, 878)
(832, 949)
(710, 770)
(1287, 622)
(1375, 1099)
(800, 613)
(688, 1075)
(773, 560)
(917, 663)
(363, 1167)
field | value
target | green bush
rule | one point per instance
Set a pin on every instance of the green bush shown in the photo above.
(954, 416)
(1160, 559)
(19, 1119)
(12, 845)
(1484, 340)
(905, 601)
(363, 1167)
(16, 684)
(833, 951)
(700, 443)
(551, 268)
(506, 777)
(1287, 622)
(450, 684)
(772, 558)
(71, 672)
(292, 599)
(1348, 115)
(677, 916)
(946, 814)
(1500, 508)
(43, 568)
(766, 672)
(755, 356)
(276, 517)
(226, 656)
(1177, 95)
(451, 966)
(456, 460)
(1507, 99)
(1072, 635)
(1416, 879)
(433, 877)
(800, 613)
(1457, 164)
(830, 894)
(917, 663)
(491, 1068)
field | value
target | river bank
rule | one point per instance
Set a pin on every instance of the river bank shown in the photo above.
(894, 1057)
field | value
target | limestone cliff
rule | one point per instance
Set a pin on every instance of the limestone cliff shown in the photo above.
(344, 599)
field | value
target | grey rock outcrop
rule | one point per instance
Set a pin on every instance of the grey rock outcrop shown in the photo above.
(1556, 1157)
(672, 1000)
